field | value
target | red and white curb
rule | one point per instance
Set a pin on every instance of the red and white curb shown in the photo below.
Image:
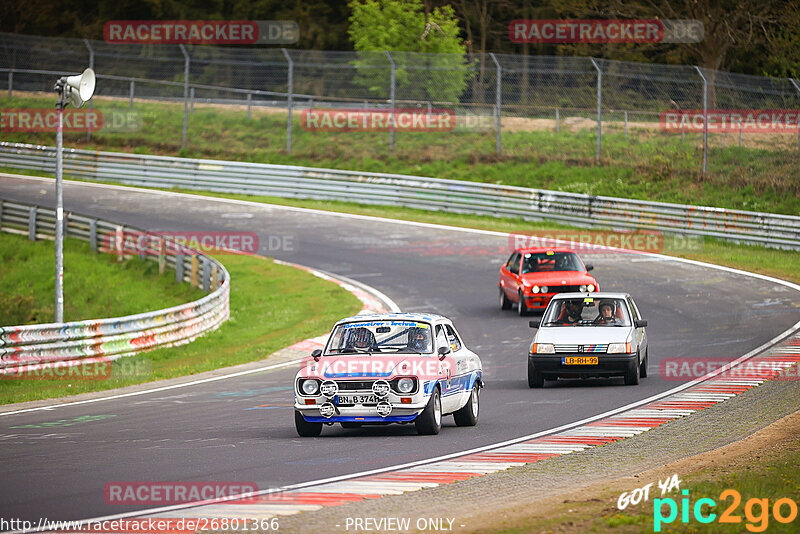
(728, 382)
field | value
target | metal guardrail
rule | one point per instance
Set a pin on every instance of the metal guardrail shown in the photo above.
(411, 191)
(33, 345)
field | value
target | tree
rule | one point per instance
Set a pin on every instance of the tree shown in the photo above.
(427, 50)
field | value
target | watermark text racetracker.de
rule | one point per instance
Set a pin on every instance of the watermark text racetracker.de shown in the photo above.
(93, 368)
(167, 493)
(564, 31)
(605, 242)
(201, 32)
(730, 120)
(687, 369)
(145, 525)
(74, 120)
(136, 242)
(377, 120)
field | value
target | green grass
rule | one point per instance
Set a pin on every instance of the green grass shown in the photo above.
(272, 306)
(650, 165)
(95, 285)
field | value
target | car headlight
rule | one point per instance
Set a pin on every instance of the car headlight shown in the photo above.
(535, 289)
(543, 348)
(544, 289)
(619, 348)
(309, 387)
(591, 287)
(405, 385)
(582, 288)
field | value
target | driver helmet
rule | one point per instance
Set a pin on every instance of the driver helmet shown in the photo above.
(417, 339)
(607, 304)
(573, 306)
(361, 338)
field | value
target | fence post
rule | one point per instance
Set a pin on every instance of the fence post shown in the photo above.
(599, 108)
(391, 96)
(557, 120)
(206, 274)
(705, 118)
(133, 85)
(797, 86)
(10, 83)
(498, 103)
(162, 255)
(93, 234)
(249, 103)
(289, 102)
(185, 95)
(1, 214)
(626, 125)
(32, 223)
(179, 268)
(91, 66)
(191, 101)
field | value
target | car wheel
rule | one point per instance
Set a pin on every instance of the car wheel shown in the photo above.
(468, 414)
(535, 378)
(645, 362)
(350, 424)
(304, 428)
(429, 422)
(522, 308)
(505, 304)
(632, 374)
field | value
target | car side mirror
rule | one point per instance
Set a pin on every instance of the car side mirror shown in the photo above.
(535, 323)
(589, 267)
(443, 351)
(316, 354)
(640, 323)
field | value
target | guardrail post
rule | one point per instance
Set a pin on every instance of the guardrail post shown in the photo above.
(193, 277)
(214, 276)
(797, 86)
(91, 66)
(249, 103)
(206, 274)
(93, 235)
(498, 102)
(32, 223)
(132, 89)
(119, 242)
(705, 118)
(391, 97)
(185, 95)
(599, 108)
(162, 256)
(289, 102)
(179, 268)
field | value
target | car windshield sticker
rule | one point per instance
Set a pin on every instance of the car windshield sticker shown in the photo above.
(588, 300)
(550, 252)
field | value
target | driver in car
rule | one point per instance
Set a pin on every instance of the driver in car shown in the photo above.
(571, 313)
(361, 339)
(418, 340)
(606, 317)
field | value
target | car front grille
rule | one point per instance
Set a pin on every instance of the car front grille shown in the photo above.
(581, 349)
(563, 289)
(355, 385)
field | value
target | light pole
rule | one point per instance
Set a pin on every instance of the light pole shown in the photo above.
(73, 90)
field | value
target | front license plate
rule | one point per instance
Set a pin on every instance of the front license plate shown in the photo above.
(579, 360)
(356, 399)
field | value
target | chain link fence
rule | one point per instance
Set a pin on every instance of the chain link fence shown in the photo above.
(494, 91)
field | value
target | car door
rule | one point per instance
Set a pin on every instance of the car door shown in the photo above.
(509, 276)
(639, 334)
(446, 367)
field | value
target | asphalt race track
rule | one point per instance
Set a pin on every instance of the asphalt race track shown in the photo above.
(242, 429)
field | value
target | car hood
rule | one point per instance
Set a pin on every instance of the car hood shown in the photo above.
(582, 335)
(557, 278)
(377, 366)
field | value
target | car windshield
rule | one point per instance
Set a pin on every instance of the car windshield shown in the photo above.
(537, 262)
(410, 337)
(587, 311)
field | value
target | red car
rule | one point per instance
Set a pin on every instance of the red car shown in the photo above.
(531, 277)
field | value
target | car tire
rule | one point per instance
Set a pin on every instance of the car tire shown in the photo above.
(429, 421)
(304, 428)
(645, 362)
(632, 374)
(522, 308)
(350, 424)
(505, 304)
(535, 378)
(468, 414)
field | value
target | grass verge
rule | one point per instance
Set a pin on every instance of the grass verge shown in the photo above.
(27, 274)
(649, 164)
(272, 306)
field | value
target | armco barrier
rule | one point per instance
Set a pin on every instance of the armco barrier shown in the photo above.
(412, 191)
(32, 345)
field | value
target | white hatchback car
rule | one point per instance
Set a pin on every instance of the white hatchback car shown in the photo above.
(583, 335)
(389, 368)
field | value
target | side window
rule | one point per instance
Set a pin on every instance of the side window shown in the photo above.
(633, 309)
(441, 338)
(513, 263)
(452, 338)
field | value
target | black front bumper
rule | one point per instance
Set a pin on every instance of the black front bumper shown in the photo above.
(551, 366)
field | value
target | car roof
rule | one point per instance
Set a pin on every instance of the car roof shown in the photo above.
(526, 250)
(424, 317)
(597, 295)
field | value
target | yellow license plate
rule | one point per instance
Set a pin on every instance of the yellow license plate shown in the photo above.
(579, 360)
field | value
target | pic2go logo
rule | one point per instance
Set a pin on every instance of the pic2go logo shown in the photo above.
(756, 511)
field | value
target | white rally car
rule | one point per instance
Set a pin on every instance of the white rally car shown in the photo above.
(389, 368)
